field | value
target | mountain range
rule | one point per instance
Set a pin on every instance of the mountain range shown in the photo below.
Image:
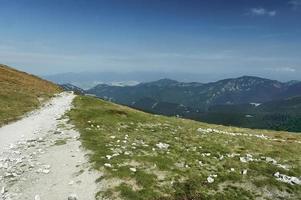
(246, 89)
(246, 101)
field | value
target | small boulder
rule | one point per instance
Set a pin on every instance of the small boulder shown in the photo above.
(107, 165)
(162, 145)
(133, 169)
(210, 179)
(37, 197)
(72, 197)
(2, 190)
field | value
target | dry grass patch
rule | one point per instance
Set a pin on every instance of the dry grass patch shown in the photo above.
(21, 92)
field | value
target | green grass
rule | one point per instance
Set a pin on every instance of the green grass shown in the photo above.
(175, 173)
(21, 92)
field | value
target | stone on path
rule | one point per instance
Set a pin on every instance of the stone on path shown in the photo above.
(72, 197)
(37, 197)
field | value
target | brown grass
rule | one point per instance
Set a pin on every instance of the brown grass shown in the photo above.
(21, 92)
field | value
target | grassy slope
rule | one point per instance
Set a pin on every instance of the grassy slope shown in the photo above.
(175, 173)
(21, 92)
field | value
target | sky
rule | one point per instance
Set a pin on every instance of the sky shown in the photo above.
(215, 37)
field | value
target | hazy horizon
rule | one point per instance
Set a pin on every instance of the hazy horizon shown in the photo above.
(215, 39)
(89, 79)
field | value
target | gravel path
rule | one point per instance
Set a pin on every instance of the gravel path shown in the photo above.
(41, 157)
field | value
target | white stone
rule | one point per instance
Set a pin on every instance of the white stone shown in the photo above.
(210, 179)
(162, 145)
(37, 197)
(133, 169)
(107, 165)
(46, 171)
(2, 190)
(270, 160)
(287, 179)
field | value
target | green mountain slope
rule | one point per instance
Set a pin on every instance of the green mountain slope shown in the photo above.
(144, 156)
(21, 92)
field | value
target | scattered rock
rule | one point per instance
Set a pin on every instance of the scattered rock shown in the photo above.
(72, 197)
(287, 179)
(2, 190)
(107, 165)
(162, 145)
(133, 169)
(210, 179)
(244, 172)
(271, 160)
(46, 171)
(247, 158)
(37, 197)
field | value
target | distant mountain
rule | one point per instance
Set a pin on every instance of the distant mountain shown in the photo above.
(246, 89)
(70, 87)
(87, 80)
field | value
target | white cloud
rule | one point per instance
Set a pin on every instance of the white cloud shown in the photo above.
(282, 69)
(272, 13)
(295, 3)
(262, 12)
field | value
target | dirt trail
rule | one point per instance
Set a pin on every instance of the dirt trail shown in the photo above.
(41, 157)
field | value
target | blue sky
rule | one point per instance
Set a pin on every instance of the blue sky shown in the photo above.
(224, 37)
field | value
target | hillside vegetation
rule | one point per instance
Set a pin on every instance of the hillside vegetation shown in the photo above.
(21, 92)
(144, 156)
